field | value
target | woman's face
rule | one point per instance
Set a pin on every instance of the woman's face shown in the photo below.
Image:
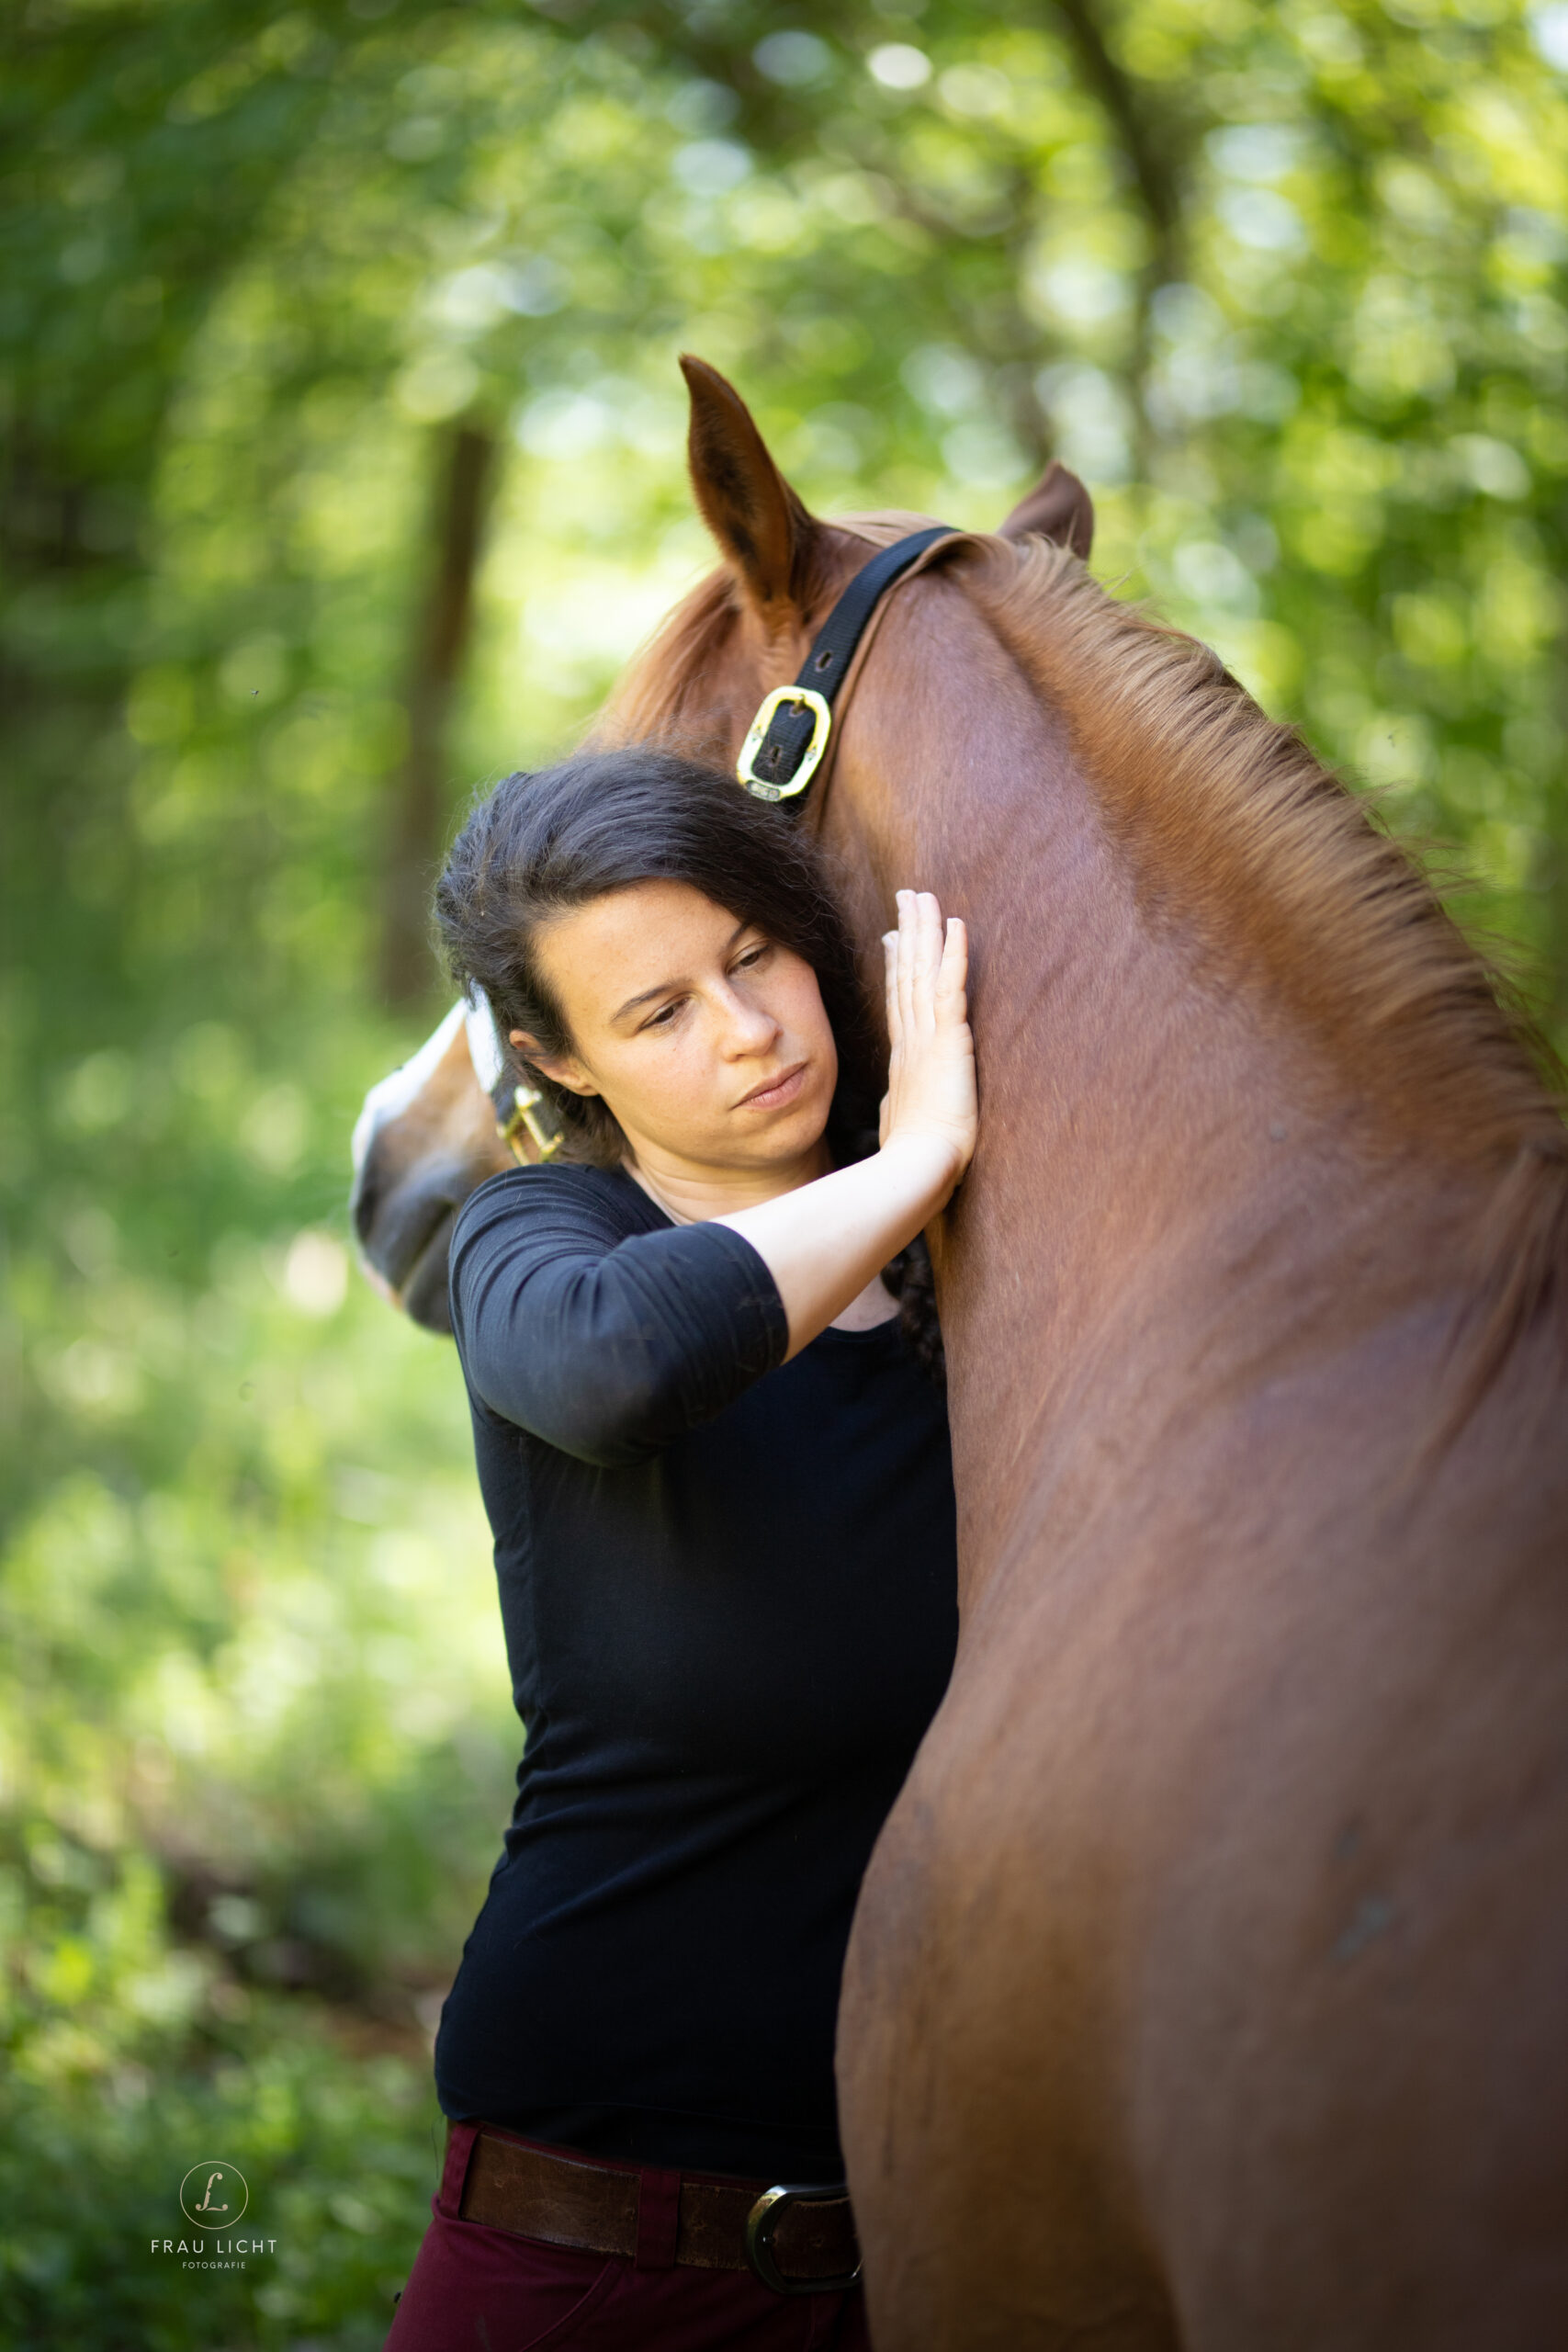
(708, 1042)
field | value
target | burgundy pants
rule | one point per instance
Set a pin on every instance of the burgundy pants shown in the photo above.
(477, 2290)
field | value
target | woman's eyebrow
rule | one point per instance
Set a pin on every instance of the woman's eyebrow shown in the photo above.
(663, 987)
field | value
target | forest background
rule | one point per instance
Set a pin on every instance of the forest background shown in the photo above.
(342, 468)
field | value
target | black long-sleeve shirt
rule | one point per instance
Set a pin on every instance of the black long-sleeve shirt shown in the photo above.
(727, 1586)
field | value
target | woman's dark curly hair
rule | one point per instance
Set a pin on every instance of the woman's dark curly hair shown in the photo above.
(539, 846)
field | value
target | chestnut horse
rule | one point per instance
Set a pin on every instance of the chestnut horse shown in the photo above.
(1208, 1983)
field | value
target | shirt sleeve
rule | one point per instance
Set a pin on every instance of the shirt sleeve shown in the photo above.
(605, 1344)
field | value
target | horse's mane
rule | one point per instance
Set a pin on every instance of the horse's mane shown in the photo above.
(1230, 817)
(1231, 824)
(659, 696)
(662, 696)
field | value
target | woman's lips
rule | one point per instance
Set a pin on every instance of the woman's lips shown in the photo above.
(781, 1090)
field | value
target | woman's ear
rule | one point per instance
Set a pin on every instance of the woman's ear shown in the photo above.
(565, 1070)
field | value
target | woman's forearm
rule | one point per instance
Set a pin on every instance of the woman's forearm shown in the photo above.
(824, 1241)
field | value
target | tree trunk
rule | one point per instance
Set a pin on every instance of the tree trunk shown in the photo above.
(441, 625)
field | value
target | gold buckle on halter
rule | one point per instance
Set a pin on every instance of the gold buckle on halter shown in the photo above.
(524, 1115)
(803, 698)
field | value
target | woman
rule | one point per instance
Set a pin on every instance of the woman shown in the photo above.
(719, 1477)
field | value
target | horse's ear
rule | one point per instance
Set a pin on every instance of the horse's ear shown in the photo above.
(1059, 508)
(759, 522)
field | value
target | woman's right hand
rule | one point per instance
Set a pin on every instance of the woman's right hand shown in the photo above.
(930, 1077)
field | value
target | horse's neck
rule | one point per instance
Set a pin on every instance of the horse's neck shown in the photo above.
(1166, 1192)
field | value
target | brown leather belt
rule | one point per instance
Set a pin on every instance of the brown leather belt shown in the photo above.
(798, 2241)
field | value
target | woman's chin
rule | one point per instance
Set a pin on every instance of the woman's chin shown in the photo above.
(792, 1141)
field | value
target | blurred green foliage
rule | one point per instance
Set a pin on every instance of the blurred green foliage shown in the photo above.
(1289, 286)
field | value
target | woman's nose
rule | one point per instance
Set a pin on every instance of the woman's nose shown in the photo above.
(749, 1028)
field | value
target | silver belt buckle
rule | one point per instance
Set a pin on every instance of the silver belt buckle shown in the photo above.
(764, 2219)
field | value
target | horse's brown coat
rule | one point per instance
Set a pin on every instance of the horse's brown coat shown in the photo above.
(1207, 1985)
(1207, 1988)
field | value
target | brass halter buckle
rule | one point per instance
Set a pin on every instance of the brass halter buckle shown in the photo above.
(524, 1116)
(803, 698)
(764, 2219)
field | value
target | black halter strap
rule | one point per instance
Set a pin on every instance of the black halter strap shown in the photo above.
(789, 734)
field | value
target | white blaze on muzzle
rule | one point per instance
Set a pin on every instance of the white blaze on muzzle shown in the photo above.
(484, 1041)
(391, 1096)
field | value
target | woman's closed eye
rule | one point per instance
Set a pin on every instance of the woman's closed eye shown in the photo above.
(744, 962)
